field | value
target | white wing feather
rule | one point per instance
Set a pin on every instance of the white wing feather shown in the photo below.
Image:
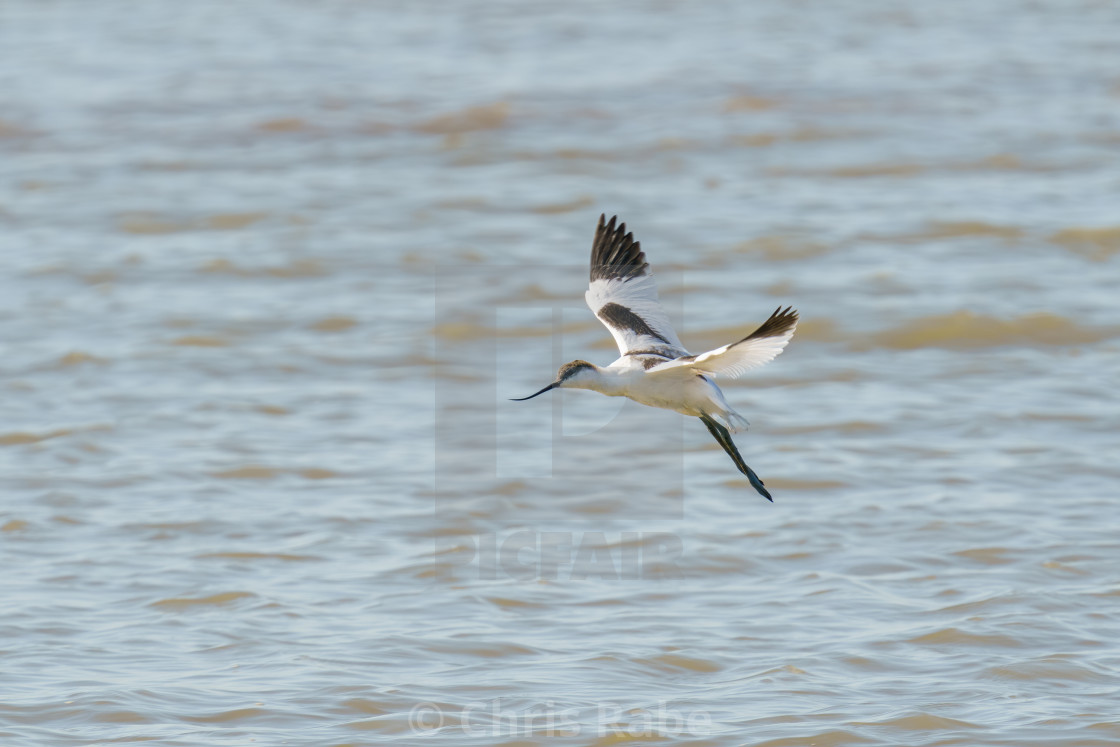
(639, 296)
(732, 361)
(623, 294)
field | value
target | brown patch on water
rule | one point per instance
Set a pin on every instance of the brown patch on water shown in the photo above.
(283, 124)
(674, 143)
(316, 473)
(200, 341)
(375, 128)
(334, 324)
(19, 438)
(853, 426)
(233, 221)
(299, 268)
(827, 738)
(262, 472)
(1000, 162)
(782, 288)
(570, 154)
(171, 166)
(464, 203)
(121, 717)
(511, 487)
(750, 103)
(955, 637)
(986, 555)
(146, 224)
(155, 224)
(287, 557)
(857, 171)
(1102, 138)
(472, 119)
(804, 135)
(817, 330)
(689, 663)
(756, 140)
(467, 331)
(618, 733)
(873, 170)
(564, 154)
(952, 230)
(1053, 668)
(364, 705)
(507, 603)
(99, 277)
(77, 358)
(564, 207)
(1053, 417)
(250, 472)
(1097, 243)
(470, 256)
(964, 330)
(214, 600)
(11, 129)
(1054, 565)
(814, 134)
(534, 292)
(780, 248)
(920, 722)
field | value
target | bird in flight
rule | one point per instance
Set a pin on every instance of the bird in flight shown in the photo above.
(655, 369)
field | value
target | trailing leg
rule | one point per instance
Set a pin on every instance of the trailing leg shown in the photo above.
(723, 438)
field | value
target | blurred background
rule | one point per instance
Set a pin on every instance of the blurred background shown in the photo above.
(246, 250)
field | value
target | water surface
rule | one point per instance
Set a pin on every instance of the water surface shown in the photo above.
(270, 274)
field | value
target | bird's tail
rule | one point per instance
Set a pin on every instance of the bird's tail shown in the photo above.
(718, 403)
(723, 438)
(736, 423)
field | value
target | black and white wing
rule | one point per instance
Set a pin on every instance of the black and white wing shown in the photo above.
(757, 348)
(624, 296)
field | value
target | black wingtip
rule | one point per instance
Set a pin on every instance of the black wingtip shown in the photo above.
(779, 323)
(614, 253)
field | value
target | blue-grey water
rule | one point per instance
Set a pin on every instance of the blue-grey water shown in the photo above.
(270, 272)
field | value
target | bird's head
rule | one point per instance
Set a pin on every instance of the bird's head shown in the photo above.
(574, 375)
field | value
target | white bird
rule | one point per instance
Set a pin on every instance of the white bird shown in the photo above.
(655, 369)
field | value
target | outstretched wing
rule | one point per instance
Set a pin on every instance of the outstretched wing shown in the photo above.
(757, 348)
(624, 296)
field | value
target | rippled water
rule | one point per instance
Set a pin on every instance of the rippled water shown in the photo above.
(271, 273)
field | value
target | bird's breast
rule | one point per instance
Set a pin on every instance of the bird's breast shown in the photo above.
(683, 395)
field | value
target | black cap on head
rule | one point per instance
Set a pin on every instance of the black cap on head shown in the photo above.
(569, 369)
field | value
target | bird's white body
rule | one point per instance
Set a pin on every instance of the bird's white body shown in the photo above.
(677, 388)
(655, 369)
